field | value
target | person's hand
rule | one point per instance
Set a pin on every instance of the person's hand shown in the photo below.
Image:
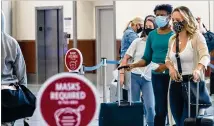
(173, 74)
(196, 75)
(130, 67)
(161, 68)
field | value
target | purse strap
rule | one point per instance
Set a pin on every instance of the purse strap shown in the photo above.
(205, 27)
(177, 55)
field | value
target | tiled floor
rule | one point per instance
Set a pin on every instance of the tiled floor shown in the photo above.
(36, 120)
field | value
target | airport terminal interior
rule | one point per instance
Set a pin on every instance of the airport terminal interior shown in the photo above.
(46, 30)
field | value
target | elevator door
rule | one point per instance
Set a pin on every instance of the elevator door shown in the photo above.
(50, 43)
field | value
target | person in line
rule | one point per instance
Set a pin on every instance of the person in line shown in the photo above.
(194, 58)
(150, 17)
(13, 68)
(201, 26)
(155, 53)
(134, 27)
(141, 77)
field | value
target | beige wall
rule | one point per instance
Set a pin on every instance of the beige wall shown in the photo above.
(24, 14)
(24, 22)
(24, 17)
(85, 20)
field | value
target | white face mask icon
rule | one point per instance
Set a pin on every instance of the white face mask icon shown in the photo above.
(73, 64)
(68, 116)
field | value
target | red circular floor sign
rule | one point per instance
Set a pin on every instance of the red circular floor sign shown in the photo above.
(73, 59)
(67, 99)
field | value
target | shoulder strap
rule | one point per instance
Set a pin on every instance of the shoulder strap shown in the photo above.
(178, 56)
(205, 27)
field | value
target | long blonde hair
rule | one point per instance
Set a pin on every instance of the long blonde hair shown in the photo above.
(191, 23)
(134, 21)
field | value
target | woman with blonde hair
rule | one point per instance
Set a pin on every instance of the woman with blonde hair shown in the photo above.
(186, 59)
(134, 27)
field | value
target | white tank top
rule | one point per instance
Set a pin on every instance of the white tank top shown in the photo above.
(186, 57)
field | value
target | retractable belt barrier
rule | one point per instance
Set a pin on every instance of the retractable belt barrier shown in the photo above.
(93, 67)
(102, 65)
(86, 69)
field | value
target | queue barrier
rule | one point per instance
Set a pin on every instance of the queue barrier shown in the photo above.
(103, 64)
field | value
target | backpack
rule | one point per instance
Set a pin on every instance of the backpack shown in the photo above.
(209, 36)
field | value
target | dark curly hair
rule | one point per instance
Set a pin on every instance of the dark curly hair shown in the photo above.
(166, 7)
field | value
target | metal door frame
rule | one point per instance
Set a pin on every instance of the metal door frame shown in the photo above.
(43, 8)
(97, 34)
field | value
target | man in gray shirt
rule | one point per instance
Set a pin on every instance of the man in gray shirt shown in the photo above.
(13, 68)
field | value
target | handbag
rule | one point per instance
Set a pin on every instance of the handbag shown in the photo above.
(204, 98)
(17, 104)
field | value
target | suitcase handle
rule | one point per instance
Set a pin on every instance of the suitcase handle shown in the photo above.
(119, 88)
(197, 98)
(122, 67)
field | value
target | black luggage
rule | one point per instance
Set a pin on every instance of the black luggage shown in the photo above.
(121, 113)
(199, 120)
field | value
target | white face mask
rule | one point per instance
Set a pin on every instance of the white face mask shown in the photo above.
(161, 21)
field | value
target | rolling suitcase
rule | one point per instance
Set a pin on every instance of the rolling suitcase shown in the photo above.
(199, 120)
(121, 113)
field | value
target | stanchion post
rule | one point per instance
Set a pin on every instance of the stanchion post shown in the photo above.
(104, 70)
(82, 71)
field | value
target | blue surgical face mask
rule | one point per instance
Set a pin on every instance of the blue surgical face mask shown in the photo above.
(161, 21)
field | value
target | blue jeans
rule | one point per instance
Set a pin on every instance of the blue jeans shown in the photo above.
(179, 106)
(139, 84)
(160, 84)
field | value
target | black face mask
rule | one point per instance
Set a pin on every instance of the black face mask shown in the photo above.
(178, 26)
(139, 30)
(148, 30)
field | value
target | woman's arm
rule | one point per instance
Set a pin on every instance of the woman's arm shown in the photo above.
(141, 63)
(203, 53)
(171, 39)
(129, 54)
(169, 65)
(172, 72)
(124, 62)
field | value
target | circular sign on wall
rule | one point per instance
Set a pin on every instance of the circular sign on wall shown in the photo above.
(67, 99)
(73, 60)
